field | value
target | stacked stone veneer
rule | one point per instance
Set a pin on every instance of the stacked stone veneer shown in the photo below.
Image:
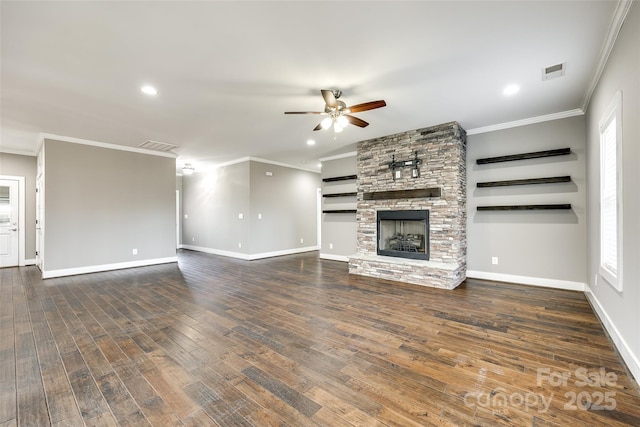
(442, 150)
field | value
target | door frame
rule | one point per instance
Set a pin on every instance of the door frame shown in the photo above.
(319, 218)
(178, 221)
(21, 215)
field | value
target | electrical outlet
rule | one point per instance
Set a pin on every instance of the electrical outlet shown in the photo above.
(330, 245)
(240, 245)
(134, 251)
(259, 216)
(494, 260)
(240, 216)
(301, 240)
(193, 239)
(595, 280)
(186, 216)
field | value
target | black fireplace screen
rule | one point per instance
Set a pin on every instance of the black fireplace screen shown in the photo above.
(404, 234)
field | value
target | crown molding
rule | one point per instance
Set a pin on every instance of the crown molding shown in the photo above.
(339, 156)
(612, 35)
(260, 160)
(18, 152)
(529, 121)
(286, 165)
(43, 136)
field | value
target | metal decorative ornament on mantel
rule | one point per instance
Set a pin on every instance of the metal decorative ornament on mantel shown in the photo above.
(414, 163)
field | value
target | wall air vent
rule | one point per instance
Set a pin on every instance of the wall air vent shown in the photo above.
(157, 146)
(553, 71)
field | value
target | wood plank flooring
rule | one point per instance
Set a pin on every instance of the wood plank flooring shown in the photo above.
(298, 341)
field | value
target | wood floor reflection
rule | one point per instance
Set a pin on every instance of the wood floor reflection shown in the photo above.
(298, 341)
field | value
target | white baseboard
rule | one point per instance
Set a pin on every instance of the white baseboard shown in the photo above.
(333, 257)
(216, 252)
(632, 361)
(250, 257)
(49, 274)
(525, 280)
(284, 252)
(30, 261)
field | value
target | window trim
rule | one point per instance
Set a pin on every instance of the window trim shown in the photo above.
(613, 111)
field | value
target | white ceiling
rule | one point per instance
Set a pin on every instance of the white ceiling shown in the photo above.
(226, 71)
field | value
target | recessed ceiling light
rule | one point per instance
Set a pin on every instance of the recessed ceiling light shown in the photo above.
(149, 90)
(511, 90)
(311, 142)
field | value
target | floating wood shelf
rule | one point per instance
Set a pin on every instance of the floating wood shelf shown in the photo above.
(404, 194)
(524, 207)
(525, 156)
(340, 194)
(340, 178)
(551, 180)
(340, 211)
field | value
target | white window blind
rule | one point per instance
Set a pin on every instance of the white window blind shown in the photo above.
(610, 194)
(609, 209)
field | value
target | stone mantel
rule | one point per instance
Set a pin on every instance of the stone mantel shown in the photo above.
(442, 150)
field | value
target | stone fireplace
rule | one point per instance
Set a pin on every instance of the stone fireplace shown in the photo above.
(431, 186)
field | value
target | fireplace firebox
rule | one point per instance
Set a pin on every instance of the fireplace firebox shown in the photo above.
(403, 234)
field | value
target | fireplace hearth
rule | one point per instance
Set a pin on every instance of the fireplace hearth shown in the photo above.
(403, 234)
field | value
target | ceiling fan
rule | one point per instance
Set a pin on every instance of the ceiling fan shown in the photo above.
(339, 115)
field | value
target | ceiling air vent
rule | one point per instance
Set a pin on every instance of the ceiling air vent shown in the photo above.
(157, 146)
(553, 71)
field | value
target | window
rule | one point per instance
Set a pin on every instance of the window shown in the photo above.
(611, 193)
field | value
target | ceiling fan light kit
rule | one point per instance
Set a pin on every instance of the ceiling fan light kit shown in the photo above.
(188, 169)
(339, 115)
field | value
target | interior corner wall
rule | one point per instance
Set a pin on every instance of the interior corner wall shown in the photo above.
(101, 203)
(286, 201)
(339, 231)
(532, 247)
(19, 165)
(618, 310)
(212, 202)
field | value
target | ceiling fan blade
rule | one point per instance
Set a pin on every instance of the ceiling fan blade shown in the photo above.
(303, 112)
(318, 127)
(366, 106)
(329, 98)
(356, 121)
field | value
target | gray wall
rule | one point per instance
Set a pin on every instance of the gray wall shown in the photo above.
(339, 230)
(17, 165)
(621, 73)
(286, 200)
(212, 201)
(532, 244)
(102, 203)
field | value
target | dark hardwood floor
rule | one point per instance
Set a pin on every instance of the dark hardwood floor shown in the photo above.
(298, 341)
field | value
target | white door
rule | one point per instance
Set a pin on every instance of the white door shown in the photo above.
(8, 223)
